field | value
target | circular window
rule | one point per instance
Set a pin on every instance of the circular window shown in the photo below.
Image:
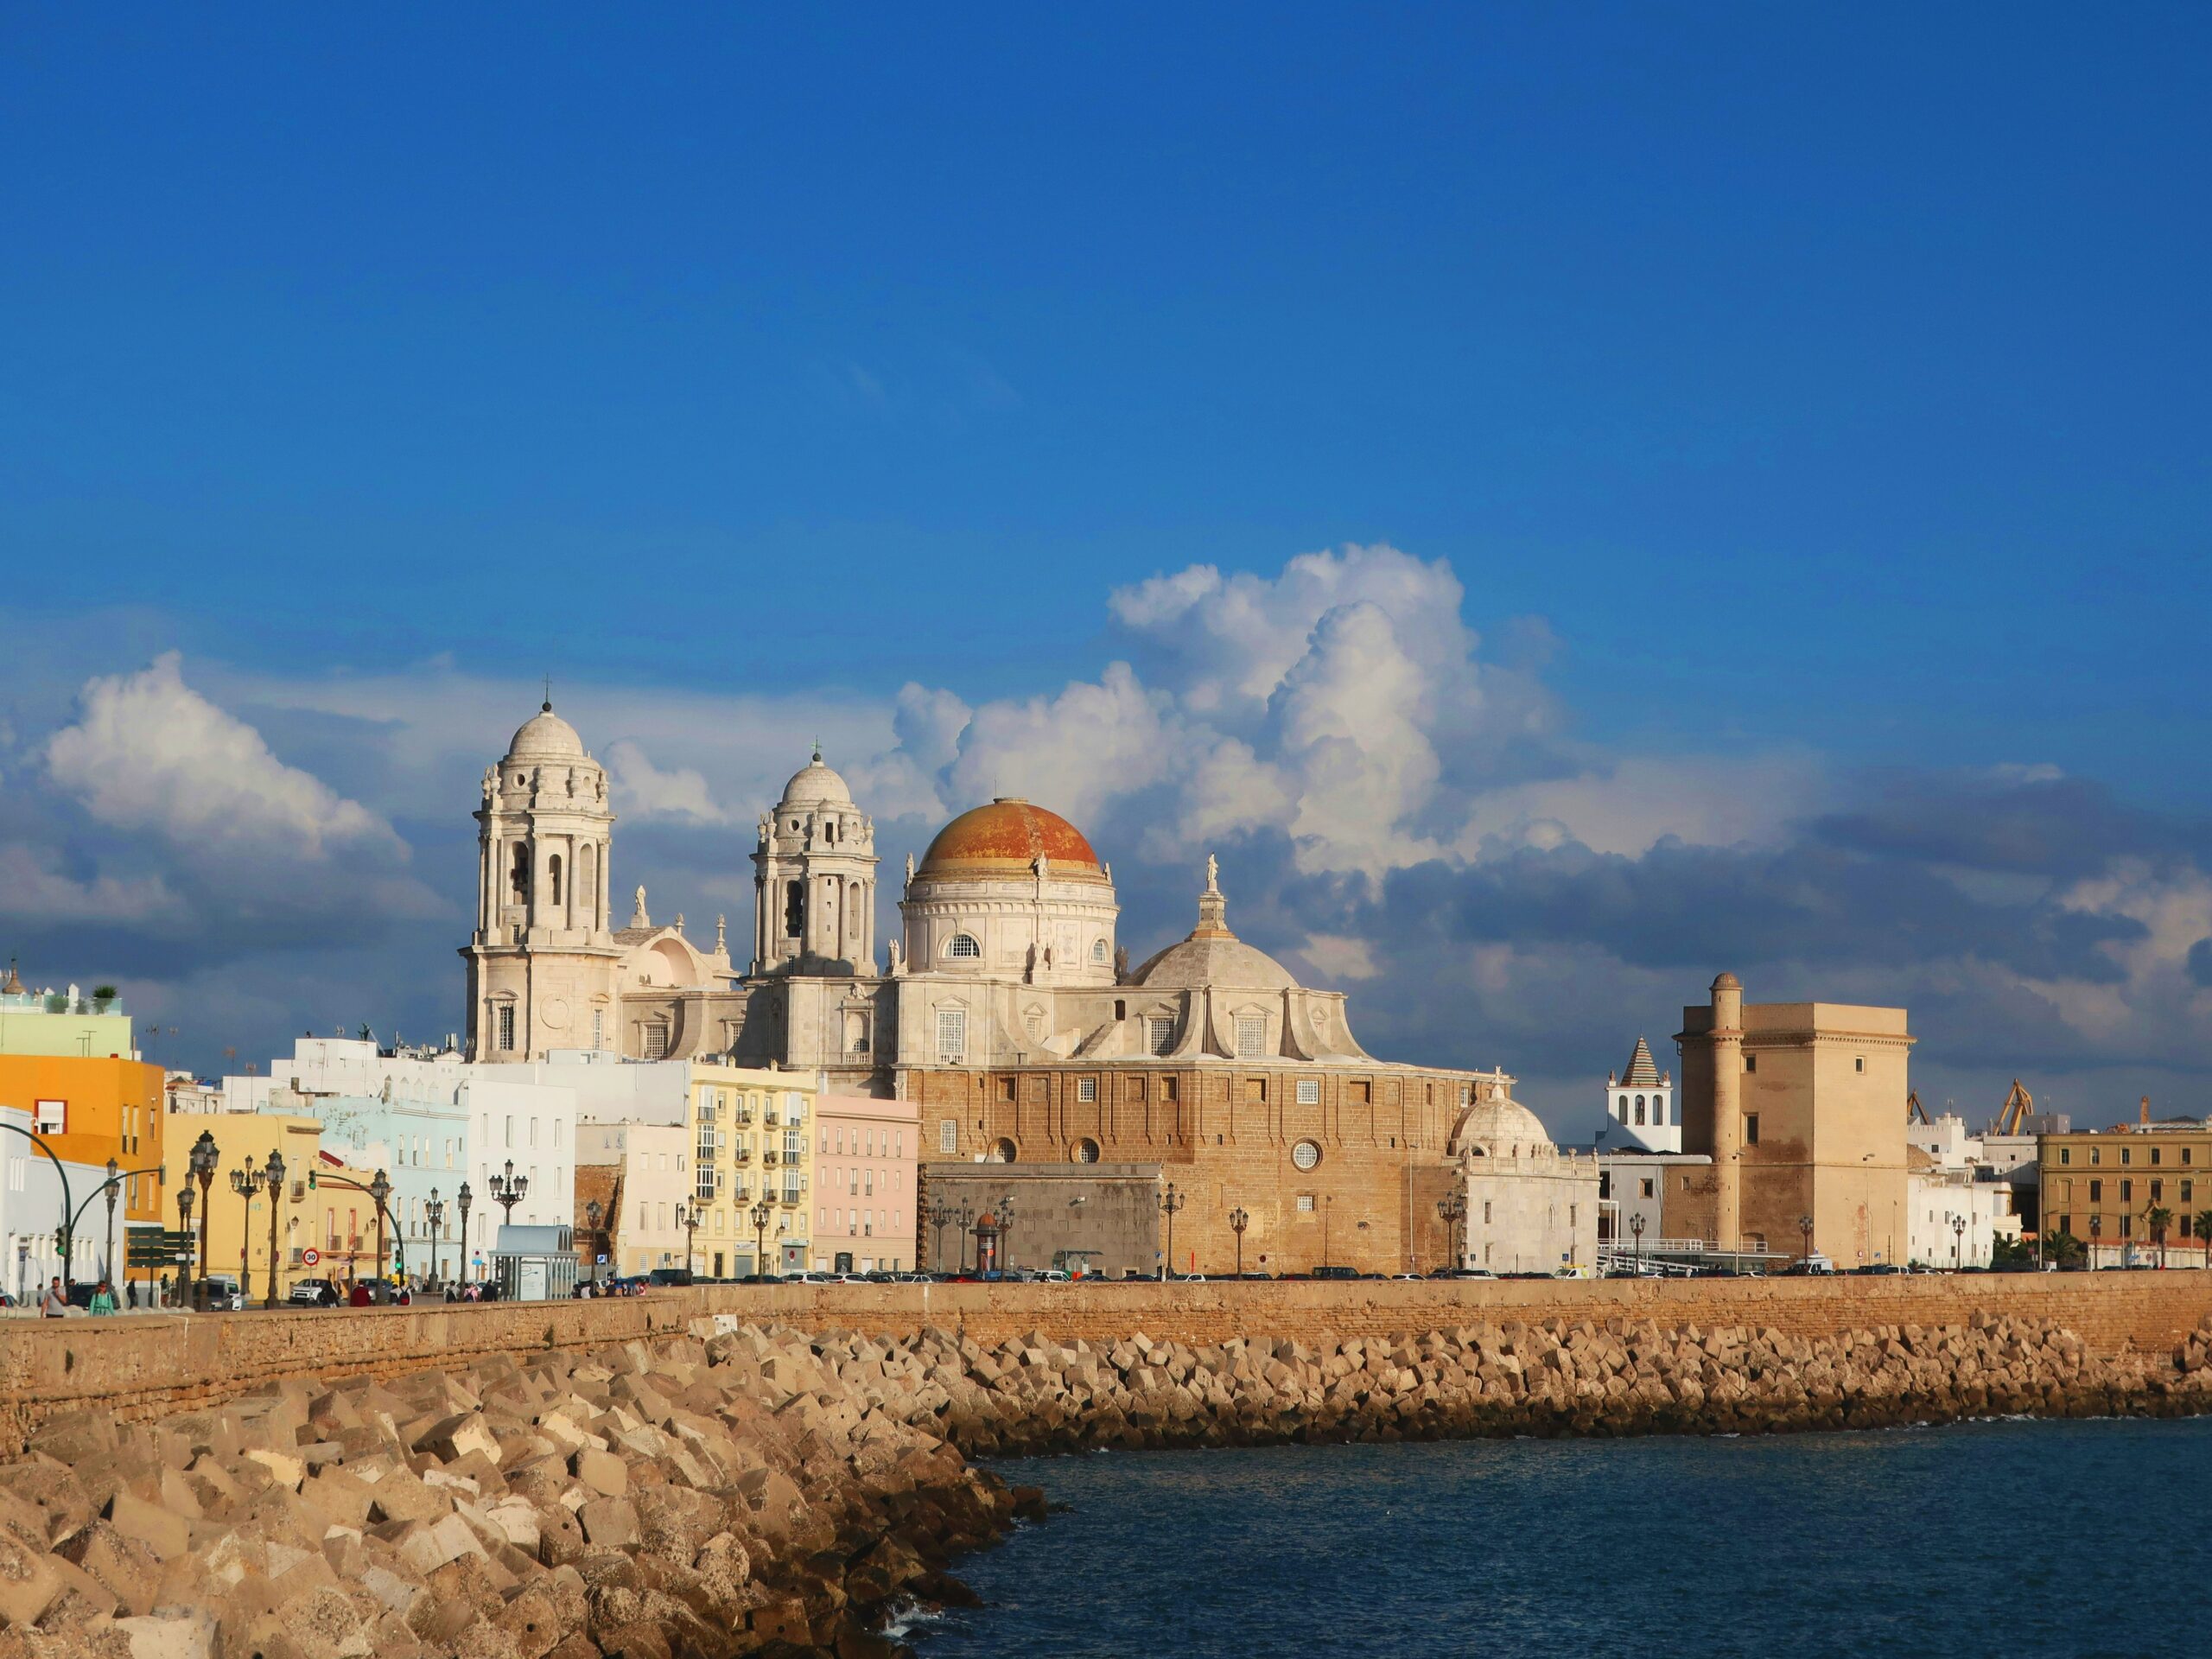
(1306, 1154)
(1086, 1151)
(1003, 1151)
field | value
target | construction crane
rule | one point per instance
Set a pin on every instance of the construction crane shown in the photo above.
(1914, 1111)
(2011, 1117)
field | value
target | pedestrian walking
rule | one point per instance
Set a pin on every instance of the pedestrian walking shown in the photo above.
(104, 1299)
(53, 1304)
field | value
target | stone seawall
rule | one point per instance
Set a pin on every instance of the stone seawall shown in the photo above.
(733, 1490)
(143, 1367)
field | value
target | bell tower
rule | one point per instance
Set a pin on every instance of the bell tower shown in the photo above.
(814, 880)
(541, 959)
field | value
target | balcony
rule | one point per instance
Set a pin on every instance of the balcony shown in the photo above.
(741, 1155)
(768, 1157)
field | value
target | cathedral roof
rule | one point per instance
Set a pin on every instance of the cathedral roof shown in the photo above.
(1502, 1128)
(1641, 1073)
(815, 785)
(1007, 838)
(545, 735)
(1213, 956)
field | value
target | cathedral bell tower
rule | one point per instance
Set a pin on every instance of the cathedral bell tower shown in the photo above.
(542, 961)
(814, 880)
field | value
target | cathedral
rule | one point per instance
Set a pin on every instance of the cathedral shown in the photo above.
(1007, 1008)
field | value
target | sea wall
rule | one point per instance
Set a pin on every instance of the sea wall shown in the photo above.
(145, 1366)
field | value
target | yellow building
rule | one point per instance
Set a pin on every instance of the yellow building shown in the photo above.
(751, 1141)
(2136, 1193)
(90, 1110)
(237, 1226)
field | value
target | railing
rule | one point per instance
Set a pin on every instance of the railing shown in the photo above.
(767, 1156)
(741, 1155)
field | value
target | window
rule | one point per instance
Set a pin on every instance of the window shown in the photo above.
(1485, 1212)
(2154, 1153)
(1659, 1111)
(506, 1027)
(1620, 1108)
(2189, 1192)
(2096, 1154)
(1644, 1187)
(599, 1027)
(1306, 1154)
(656, 1042)
(1098, 950)
(2065, 1155)
(2158, 1191)
(1251, 1035)
(951, 1033)
(553, 880)
(794, 907)
(1086, 1151)
(1306, 1204)
(1086, 1088)
(2096, 1191)
(2127, 1226)
(948, 1136)
(1255, 1089)
(519, 874)
(51, 1117)
(2127, 1192)
(1859, 1062)
(1002, 1151)
(1159, 1034)
(1751, 1129)
(1751, 1062)
(1309, 1091)
(964, 945)
(2127, 1155)
(1639, 1111)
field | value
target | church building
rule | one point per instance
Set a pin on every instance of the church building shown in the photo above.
(1006, 1010)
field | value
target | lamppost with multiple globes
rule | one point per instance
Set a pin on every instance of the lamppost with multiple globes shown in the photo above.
(1006, 1232)
(1805, 1233)
(245, 1183)
(184, 1226)
(1958, 1240)
(114, 1172)
(464, 1197)
(272, 1177)
(379, 1190)
(434, 1212)
(204, 1160)
(592, 1213)
(1636, 1226)
(1238, 1221)
(507, 1191)
(1451, 1211)
(686, 1218)
(1171, 1205)
(761, 1214)
(940, 1214)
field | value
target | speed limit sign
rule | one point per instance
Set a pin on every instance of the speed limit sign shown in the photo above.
(311, 1255)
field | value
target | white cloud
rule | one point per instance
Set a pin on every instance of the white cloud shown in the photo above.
(148, 752)
(642, 789)
(1071, 753)
(30, 892)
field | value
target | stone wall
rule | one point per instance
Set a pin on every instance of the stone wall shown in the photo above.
(145, 1366)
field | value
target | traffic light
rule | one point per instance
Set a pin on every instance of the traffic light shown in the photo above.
(310, 1177)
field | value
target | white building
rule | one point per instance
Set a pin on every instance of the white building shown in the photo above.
(1632, 1187)
(647, 1178)
(31, 1213)
(1957, 1203)
(1639, 1111)
(1531, 1208)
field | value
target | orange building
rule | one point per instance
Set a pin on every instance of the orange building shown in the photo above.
(89, 1110)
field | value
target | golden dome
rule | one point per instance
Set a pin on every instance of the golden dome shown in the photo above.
(1007, 838)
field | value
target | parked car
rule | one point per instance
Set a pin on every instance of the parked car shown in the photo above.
(1336, 1273)
(313, 1292)
(669, 1276)
(223, 1293)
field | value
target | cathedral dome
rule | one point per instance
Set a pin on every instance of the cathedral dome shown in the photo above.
(1007, 838)
(545, 735)
(1196, 963)
(815, 785)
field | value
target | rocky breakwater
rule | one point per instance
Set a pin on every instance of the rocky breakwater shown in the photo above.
(729, 1495)
(1033, 1395)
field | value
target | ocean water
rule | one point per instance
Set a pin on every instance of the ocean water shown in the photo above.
(2011, 1539)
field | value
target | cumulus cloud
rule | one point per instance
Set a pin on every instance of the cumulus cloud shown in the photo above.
(150, 753)
(642, 789)
(31, 893)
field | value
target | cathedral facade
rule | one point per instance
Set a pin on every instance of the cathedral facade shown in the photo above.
(1007, 1009)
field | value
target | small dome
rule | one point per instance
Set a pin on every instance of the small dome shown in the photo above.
(1497, 1124)
(545, 735)
(1194, 964)
(1727, 982)
(1007, 838)
(815, 785)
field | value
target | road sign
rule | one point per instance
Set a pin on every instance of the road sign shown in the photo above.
(149, 1247)
(603, 1260)
(311, 1256)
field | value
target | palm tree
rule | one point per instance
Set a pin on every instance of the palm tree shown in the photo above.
(2157, 1218)
(2204, 1234)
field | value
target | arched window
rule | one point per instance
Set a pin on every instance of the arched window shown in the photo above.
(964, 945)
(1659, 1111)
(1098, 950)
(553, 880)
(1639, 1111)
(519, 874)
(588, 878)
(1623, 1104)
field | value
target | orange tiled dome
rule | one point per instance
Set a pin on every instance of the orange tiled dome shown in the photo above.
(1006, 838)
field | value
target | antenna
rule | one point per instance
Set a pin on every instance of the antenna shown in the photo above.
(548, 693)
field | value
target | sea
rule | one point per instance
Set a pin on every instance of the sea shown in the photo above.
(2012, 1539)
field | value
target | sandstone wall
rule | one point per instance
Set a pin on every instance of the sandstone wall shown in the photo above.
(146, 1366)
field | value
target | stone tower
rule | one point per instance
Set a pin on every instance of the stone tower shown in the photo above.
(542, 961)
(814, 880)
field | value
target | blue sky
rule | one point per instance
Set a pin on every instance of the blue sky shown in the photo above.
(1802, 409)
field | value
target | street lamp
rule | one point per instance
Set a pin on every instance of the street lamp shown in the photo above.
(592, 1213)
(205, 1156)
(184, 1226)
(114, 1169)
(686, 1218)
(1238, 1221)
(507, 1192)
(1328, 1214)
(1805, 1230)
(1171, 1205)
(1958, 1239)
(465, 1199)
(434, 1211)
(940, 1214)
(1006, 1232)
(1636, 1226)
(379, 1190)
(1453, 1210)
(761, 1213)
(245, 1183)
(272, 1175)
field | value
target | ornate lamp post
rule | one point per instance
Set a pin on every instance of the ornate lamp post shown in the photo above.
(1171, 1205)
(434, 1211)
(940, 1214)
(1006, 1232)
(686, 1218)
(1238, 1221)
(507, 1191)
(184, 1226)
(1958, 1239)
(1636, 1226)
(1805, 1232)
(966, 1216)
(114, 1170)
(272, 1176)
(1451, 1211)
(761, 1213)
(379, 1190)
(245, 1183)
(592, 1213)
(465, 1199)
(205, 1157)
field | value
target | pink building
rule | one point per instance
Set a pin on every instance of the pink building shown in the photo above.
(867, 1159)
